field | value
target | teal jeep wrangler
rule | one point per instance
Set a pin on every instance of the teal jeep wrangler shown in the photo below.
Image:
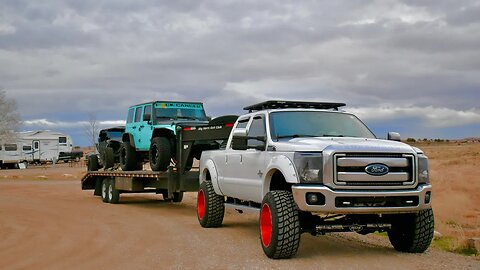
(150, 132)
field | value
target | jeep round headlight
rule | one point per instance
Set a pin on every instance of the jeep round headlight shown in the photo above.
(423, 177)
(309, 166)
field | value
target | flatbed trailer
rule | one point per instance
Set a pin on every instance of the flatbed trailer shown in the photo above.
(179, 178)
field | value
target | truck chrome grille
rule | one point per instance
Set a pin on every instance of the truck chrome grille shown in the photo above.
(350, 169)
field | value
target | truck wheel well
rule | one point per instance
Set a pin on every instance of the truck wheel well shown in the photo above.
(207, 176)
(278, 182)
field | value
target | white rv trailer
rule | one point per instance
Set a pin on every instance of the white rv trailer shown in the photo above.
(9, 155)
(43, 146)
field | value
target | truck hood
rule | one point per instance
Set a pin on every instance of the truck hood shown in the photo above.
(339, 144)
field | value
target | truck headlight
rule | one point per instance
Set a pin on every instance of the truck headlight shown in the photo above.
(309, 166)
(423, 175)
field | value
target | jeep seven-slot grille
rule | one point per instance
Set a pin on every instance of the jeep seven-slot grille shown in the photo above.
(350, 169)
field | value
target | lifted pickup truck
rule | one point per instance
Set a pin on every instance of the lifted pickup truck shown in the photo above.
(308, 167)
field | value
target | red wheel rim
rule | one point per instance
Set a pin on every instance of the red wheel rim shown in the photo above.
(266, 225)
(201, 204)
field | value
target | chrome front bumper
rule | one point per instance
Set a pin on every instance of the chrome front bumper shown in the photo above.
(335, 200)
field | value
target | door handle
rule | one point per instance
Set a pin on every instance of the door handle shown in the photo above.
(134, 127)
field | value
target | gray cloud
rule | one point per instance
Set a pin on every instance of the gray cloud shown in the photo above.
(63, 59)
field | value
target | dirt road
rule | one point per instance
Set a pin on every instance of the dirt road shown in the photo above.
(52, 224)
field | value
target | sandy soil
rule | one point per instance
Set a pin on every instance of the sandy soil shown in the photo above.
(47, 222)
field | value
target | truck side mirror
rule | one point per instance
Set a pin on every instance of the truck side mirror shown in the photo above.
(393, 136)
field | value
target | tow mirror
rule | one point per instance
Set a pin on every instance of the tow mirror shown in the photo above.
(393, 136)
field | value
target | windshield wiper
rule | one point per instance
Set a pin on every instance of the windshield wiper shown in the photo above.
(187, 117)
(295, 136)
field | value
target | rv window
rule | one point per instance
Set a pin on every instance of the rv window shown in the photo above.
(62, 140)
(10, 147)
(27, 148)
(138, 114)
(130, 116)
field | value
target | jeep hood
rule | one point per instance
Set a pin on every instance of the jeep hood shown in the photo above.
(340, 144)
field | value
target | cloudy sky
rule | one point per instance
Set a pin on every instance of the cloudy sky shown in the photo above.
(407, 66)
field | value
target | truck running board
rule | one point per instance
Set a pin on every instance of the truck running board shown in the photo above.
(242, 208)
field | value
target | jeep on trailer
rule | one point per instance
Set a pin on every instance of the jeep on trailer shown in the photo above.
(150, 132)
(108, 147)
(308, 167)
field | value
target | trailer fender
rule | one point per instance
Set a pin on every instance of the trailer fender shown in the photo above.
(211, 168)
(285, 166)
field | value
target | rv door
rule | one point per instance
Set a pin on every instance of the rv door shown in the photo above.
(36, 150)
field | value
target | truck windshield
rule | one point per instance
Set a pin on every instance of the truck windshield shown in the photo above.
(293, 124)
(166, 114)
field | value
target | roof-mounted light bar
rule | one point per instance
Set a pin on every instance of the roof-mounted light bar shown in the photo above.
(284, 104)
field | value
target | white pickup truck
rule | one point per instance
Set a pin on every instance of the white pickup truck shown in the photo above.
(309, 167)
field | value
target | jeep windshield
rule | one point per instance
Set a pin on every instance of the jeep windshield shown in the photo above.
(297, 124)
(179, 111)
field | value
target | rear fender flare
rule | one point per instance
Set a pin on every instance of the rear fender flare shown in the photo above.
(209, 166)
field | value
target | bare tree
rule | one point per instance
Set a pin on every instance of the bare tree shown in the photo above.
(91, 129)
(9, 117)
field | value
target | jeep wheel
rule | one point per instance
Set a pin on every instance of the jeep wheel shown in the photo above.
(92, 163)
(210, 206)
(177, 196)
(279, 225)
(109, 159)
(160, 154)
(412, 233)
(128, 157)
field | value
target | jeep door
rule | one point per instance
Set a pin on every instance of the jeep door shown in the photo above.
(145, 129)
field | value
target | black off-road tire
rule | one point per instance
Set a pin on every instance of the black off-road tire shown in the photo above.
(128, 157)
(160, 154)
(210, 206)
(109, 158)
(412, 233)
(105, 187)
(113, 194)
(92, 163)
(279, 225)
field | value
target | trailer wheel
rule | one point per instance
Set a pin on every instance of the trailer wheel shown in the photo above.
(412, 233)
(128, 157)
(105, 189)
(210, 206)
(160, 154)
(279, 225)
(109, 159)
(113, 194)
(92, 163)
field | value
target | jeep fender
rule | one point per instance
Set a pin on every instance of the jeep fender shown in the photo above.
(127, 137)
(210, 167)
(285, 166)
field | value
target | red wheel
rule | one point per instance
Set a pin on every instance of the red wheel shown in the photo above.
(201, 204)
(266, 225)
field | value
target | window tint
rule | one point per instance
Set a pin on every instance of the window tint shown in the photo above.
(62, 140)
(138, 114)
(27, 148)
(130, 116)
(11, 147)
(257, 128)
(36, 145)
(148, 110)
(243, 123)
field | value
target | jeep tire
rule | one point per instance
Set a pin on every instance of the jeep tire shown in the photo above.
(160, 154)
(279, 225)
(92, 163)
(128, 157)
(412, 233)
(109, 158)
(210, 206)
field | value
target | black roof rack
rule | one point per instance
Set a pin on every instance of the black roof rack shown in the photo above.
(284, 104)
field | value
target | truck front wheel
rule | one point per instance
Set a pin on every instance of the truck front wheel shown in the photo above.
(210, 206)
(279, 225)
(160, 154)
(412, 233)
(128, 157)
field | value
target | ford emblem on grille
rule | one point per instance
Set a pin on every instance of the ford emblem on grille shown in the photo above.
(376, 169)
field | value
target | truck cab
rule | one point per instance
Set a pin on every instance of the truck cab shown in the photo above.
(150, 132)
